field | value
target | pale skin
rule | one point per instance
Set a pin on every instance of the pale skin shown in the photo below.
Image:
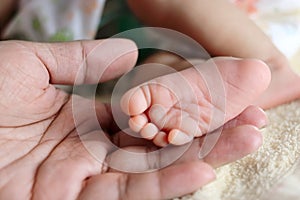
(40, 136)
(42, 156)
(236, 36)
(186, 20)
(166, 112)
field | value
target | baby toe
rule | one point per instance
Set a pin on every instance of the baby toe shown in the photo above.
(161, 139)
(137, 122)
(149, 131)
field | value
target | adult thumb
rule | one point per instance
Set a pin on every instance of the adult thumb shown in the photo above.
(86, 62)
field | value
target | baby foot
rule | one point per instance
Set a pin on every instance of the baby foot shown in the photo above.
(177, 107)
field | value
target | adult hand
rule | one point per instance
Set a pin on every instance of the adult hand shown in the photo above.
(42, 155)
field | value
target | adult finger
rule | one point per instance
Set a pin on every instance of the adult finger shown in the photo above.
(174, 181)
(85, 62)
(239, 138)
(252, 115)
(234, 144)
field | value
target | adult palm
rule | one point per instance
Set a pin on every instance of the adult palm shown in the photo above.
(41, 153)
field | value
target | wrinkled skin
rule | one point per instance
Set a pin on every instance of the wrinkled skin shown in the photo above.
(42, 156)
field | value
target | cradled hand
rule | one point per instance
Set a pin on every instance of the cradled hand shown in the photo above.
(41, 153)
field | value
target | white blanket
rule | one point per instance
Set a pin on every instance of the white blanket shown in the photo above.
(270, 172)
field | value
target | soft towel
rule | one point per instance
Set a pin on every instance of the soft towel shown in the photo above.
(265, 174)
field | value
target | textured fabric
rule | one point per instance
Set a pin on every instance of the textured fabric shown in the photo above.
(55, 20)
(270, 172)
(280, 19)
